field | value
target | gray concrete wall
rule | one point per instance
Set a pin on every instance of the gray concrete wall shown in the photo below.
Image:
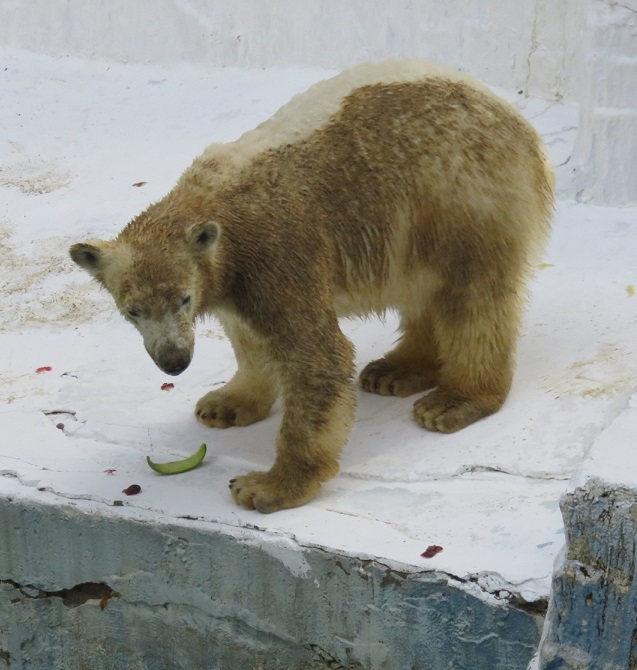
(592, 618)
(198, 598)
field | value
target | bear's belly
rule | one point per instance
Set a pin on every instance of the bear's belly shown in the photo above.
(403, 291)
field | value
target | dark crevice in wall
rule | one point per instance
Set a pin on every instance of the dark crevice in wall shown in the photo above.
(73, 597)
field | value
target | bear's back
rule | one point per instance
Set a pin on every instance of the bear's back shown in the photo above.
(391, 165)
(313, 109)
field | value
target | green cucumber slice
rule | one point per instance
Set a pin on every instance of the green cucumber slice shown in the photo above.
(175, 467)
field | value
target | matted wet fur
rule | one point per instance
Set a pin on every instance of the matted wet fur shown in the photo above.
(398, 185)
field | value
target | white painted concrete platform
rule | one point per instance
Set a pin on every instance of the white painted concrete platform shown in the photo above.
(79, 136)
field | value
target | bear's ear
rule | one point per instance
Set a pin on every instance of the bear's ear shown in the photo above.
(202, 236)
(90, 257)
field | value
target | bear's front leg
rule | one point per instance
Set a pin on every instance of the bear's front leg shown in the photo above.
(250, 394)
(319, 405)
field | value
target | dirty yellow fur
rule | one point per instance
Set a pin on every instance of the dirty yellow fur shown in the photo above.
(398, 185)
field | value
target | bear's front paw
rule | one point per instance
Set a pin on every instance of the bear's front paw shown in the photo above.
(387, 378)
(446, 412)
(223, 408)
(268, 492)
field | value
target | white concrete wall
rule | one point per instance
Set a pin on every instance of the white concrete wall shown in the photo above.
(522, 44)
(581, 51)
(605, 155)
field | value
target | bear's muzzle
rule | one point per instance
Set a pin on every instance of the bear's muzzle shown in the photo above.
(172, 361)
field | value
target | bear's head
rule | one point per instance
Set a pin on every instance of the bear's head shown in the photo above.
(157, 285)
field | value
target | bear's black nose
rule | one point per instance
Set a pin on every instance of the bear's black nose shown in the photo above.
(176, 369)
(173, 362)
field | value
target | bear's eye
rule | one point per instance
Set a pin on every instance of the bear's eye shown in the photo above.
(186, 301)
(133, 313)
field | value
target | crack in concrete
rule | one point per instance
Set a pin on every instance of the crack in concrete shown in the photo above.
(331, 662)
(587, 448)
(101, 592)
(532, 49)
(476, 469)
(505, 592)
(87, 497)
(559, 133)
(457, 474)
(72, 597)
(539, 114)
(50, 412)
(12, 473)
(630, 9)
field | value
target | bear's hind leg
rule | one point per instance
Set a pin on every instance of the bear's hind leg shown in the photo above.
(250, 394)
(412, 366)
(475, 332)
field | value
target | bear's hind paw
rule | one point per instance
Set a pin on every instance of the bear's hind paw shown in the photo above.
(446, 412)
(386, 378)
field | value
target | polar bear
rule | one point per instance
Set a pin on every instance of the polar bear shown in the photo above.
(398, 185)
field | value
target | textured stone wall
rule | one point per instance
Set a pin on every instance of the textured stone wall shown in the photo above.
(592, 618)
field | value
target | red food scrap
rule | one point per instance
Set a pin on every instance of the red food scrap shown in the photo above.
(166, 386)
(431, 551)
(140, 183)
(44, 368)
(132, 490)
(110, 471)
